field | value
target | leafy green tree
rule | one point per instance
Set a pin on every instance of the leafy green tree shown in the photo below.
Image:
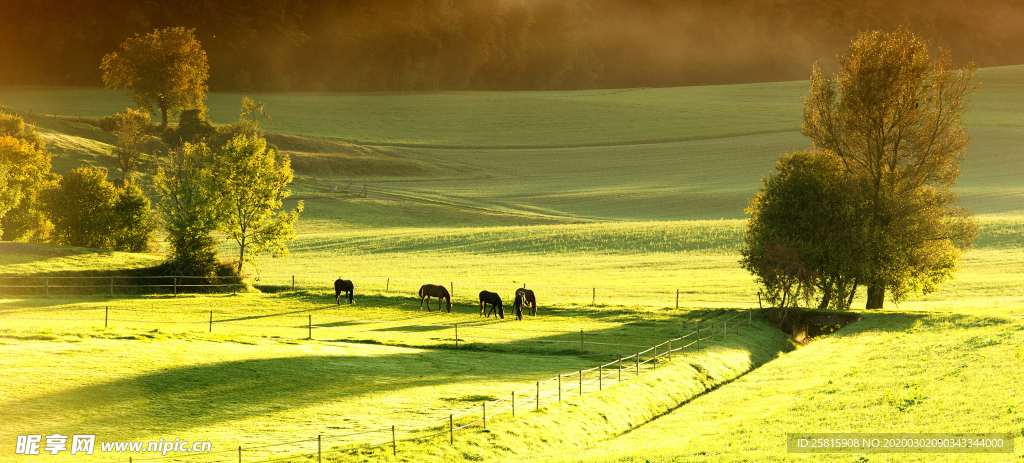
(254, 110)
(79, 207)
(10, 194)
(802, 237)
(166, 68)
(131, 139)
(21, 148)
(251, 185)
(87, 210)
(189, 208)
(193, 127)
(894, 117)
(131, 220)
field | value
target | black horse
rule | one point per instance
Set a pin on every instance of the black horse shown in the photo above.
(487, 297)
(518, 305)
(344, 286)
(529, 299)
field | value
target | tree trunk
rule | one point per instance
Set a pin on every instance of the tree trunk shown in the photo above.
(241, 255)
(163, 117)
(876, 296)
(826, 293)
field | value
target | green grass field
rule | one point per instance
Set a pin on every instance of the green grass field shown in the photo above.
(606, 203)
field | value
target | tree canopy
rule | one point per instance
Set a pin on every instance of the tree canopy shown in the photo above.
(130, 130)
(28, 174)
(189, 208)
(873, 203)
(87, 210)
(165, 68)
(894, 116)
(802, 238)
(252, 181)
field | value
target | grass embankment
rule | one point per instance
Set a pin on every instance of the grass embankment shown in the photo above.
(891, 372)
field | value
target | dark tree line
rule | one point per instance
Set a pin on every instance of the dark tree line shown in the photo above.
(374, 45)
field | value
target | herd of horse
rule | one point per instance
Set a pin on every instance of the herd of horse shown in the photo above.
(523, 298)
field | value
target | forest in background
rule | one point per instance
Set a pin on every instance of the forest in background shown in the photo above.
(389, 45)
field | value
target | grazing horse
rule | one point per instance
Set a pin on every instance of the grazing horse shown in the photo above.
(438, 291)
(529, 298)
(487, 297)
(344, 286)
(518, 306)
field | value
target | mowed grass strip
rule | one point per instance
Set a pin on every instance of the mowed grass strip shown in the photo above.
(893, 372)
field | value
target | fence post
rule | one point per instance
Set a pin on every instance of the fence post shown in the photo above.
(387, 285)
(317, 448)
(559, 387)
(581, 382)
(593, 300)
(293, 282)
(513, 404)
(677, 299)
(655, 357)
(106, 315)
(452, 284)
(581, 340)
(451, 431)
(394, 448)
(311, 327)
(239, 454)
(538, 395)
(211, 321)
(484, 405)
(669, 350)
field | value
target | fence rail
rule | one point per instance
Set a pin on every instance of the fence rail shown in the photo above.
(127, 284)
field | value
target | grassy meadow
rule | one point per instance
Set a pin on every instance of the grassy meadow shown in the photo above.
(607, 203)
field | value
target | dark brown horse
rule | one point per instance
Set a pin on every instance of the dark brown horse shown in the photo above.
(487, 297)
(438, 291)
(517, 305)
(344, 286)
(529, 299)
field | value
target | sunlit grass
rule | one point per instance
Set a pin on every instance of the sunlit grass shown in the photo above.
(892, 372)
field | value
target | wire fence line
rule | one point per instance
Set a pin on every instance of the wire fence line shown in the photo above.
(170, 284)
(551, 390)
(490, 328)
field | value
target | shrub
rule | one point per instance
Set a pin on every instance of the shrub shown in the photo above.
(87, 210)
